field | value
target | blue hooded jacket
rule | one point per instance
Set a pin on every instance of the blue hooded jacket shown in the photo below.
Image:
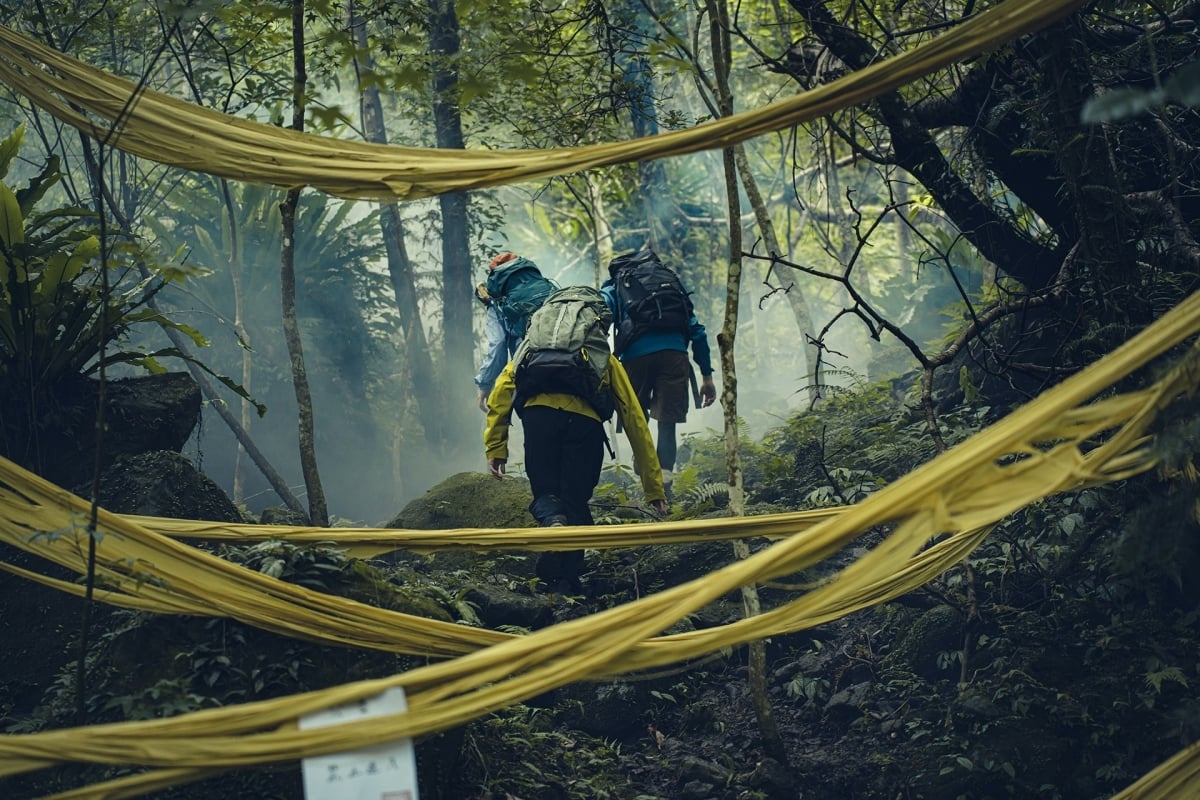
(656, 341)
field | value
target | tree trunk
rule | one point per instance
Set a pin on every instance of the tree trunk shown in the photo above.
(917, 152)
(181, 343)
(602, 236)
(757, 678)
(641, 88)
(602, 247)
(456, 257)
(239, 327)
(239, 431)
(1106, 258)
(420, 364)
(317, 512)
(780, 276)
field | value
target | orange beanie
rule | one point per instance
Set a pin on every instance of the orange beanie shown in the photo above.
(500, 259)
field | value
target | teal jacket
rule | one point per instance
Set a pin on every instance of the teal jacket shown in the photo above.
(657, 341)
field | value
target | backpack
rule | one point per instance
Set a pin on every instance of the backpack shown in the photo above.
(566, 350)
(517, 288)
(650, 297)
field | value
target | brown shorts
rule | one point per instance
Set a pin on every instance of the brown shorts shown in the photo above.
(661, 381)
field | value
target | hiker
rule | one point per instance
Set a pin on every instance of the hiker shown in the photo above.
(514, 288)
(655, 323)
(564, 384)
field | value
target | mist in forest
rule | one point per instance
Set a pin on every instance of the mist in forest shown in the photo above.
(372, 452)
(374, 460)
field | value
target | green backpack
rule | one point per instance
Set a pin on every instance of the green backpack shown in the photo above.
(566, 350)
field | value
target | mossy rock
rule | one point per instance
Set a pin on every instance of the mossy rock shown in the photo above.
(162, 483)
(142, 414)
(466, 500)
(933, 632)
(469, 500)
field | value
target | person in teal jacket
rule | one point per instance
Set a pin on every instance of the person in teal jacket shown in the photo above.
(501, 342)
(658, 368)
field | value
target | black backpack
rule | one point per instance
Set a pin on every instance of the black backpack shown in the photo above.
(565, 350)
(518, 288)
(650, 297)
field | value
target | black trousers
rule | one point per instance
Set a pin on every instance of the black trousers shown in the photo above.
(564, 453)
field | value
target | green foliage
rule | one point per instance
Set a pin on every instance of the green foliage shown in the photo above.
(56, 320)
(807, 688)
(319, 567)
(538, 761)
(68, 310)
(702, 470)
(618, 496)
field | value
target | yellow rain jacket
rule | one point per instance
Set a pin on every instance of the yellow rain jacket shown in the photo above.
(616, 382)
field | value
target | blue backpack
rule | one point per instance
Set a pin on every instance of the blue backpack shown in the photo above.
(518, 288)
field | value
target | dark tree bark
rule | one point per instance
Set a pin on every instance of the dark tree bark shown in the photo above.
(1115, 199)
(641, 90)
(318, 513)
(1089, 182)
(914, 149)
(400, 267)
(456, 256)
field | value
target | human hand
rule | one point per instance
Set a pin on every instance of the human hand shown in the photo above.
(483, 401)
(708, 391)
(496, 467)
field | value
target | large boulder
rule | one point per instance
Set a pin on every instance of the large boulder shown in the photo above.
(469, 500)
(141, 414)
(151, 413)
(472, 500)
(39, 627)
(162, 483)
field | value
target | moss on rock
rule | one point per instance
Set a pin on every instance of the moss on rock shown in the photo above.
(469, 500)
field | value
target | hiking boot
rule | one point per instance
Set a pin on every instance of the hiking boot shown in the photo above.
(558, 520)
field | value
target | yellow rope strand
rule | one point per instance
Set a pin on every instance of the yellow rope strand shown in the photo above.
(171, 131)
(959, 493)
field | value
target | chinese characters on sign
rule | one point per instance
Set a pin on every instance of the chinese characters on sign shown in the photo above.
(385, 771)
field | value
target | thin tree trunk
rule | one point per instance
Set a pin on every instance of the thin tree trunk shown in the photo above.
(206, 389)
(218, 404)
(903, 234)
(317, 512)
(420, 364)
(602, 254)
(602, 236)
(239, 327)
(780, 276)
(459, 344)
(641, 86)
(756, 650)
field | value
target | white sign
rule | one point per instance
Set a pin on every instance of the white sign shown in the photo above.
(386, 771)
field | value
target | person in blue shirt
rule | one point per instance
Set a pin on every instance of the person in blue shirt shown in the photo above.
(501, 343)
(658, 368)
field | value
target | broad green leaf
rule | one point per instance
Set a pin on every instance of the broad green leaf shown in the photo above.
(63, 267)
(151, 315)
(37, 188)
(12, 222)
(9, 148)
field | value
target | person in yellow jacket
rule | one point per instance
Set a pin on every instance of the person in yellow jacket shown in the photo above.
(564, 452)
